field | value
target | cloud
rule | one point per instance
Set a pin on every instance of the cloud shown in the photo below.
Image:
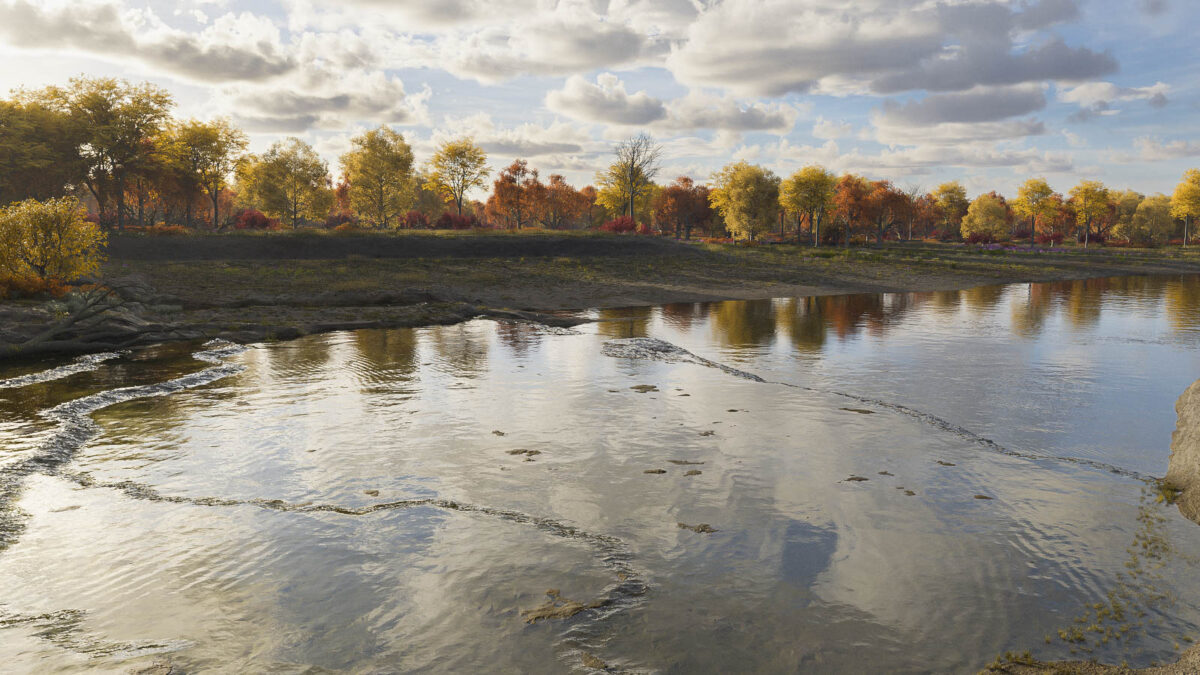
(831, 129)
(1154, 7)
(1097, 98)
(1155, 149)
(605, 101)
(983, 104)
(522, 141)
(232, 47)
(700, 111)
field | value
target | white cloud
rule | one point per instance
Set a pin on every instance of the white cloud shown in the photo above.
(605, 101)
(1155, 149)
(831, 129)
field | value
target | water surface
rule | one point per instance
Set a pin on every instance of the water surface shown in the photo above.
(381, 501)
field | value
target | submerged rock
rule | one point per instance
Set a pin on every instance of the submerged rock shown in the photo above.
(557, 607)
(693, 472)
(946, 463)
(1182, 483)
(593, 662)
(644, 388)
(702, 528)
(857, 479)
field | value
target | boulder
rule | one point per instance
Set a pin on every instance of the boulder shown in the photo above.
(1183, 469)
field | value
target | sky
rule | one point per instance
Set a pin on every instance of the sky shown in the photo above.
(989, 92)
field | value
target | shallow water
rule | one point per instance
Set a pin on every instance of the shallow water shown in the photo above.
(354, 502)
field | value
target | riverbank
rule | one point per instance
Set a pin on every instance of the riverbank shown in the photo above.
(256, 286)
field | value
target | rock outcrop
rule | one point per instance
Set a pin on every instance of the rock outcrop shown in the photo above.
(1183, 470)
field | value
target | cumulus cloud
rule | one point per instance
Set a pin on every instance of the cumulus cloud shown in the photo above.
(1098, 98)
(522, 141)
(1155, 149)
(983, 104)
(232, 47)
(831, 129)
(605, 101)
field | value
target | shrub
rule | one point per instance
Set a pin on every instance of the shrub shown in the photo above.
(15, 287)
(644, 229)
(1022, 233)
(336, 220)
(1053, 238)
(980, 238)
(453, 221)
(164, 230)
(346, 228)
(414, 219)
(253, 219)
(49, 240)
(619, 225)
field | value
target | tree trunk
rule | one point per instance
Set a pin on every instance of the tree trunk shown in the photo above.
(215, 194)
(1032, 230)
(1187, 220)
(121, 204)
(815, 217)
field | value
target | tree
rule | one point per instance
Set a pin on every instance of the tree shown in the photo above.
(1033, 202)
(114, 120)
(850, 199)
(1151, 222)
(1185, 203)
(1090, 199)
(885, 205)
(203, 155)
(379, 171)
(634, 171)
(986, 219)
(49, 240)
(39, 157)
(558, 204)
(457, 168)
(513, 194)
(683, 205)
(952, 203)
(809, 192)
(290, 181)
(747, 197)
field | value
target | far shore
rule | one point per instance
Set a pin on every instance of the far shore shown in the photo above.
(251, 287)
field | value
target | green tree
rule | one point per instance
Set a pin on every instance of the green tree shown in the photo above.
(116, 122)
(809, 192)
(380, 172)
(457, 168)
(631, 177)
(49, 240)
(39, 152)
(1151, 222)
(747, 197)
(1185, 203)
(1090, 199)
(1033, 202)
(987, 216)
(952, 204)
(289, 181)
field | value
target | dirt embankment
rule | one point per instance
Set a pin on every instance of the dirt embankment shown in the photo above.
(282, 285)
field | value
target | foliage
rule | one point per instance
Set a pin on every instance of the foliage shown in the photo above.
(289, 181)
(630, 177)
(253, 219)
(416, 219)
(951, 199)
(1151, 222)
(850, 202)
(205, 153)
(379, 174)
(457, 167)
(986, 219)
(49, 240)
(454, 221)
(39, 155)
(513, 195)
(747, 197)
(619, 225)
(683, 205)
(809, 193)
(1034, 202)
(1185, 202)
(1090, 199)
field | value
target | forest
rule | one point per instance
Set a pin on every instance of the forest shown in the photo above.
(117, 148)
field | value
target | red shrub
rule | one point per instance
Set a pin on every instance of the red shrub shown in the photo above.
(415, 219)
(335, 220)
(1022, 233)
(453, 221)
(619, 225)
(1055, 238)
(980, 238)
(253, 219)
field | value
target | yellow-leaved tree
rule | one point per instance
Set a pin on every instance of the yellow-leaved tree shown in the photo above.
(809, 192)
(986, 217)
(457, 167)
(1185, 203)
(49, 240)
(747, 197)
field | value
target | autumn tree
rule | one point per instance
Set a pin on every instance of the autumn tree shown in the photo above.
(379, 170)
(850, 200)
(987, 219)
(952, 204)
(558, 204)
(289, 181)
(747, 197)
(1185, 202)
(1033, 202)
(884, 206)
(683, 205)
(458, 167)
(629, 178)
(49, 240)
(1151, 222)
(809, 193)
(114, 120)
(39, 151)
(511, 202)
(203, 155)
(1090, 199)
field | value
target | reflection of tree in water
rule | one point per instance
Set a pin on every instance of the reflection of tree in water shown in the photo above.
(393, 349)
(1084, 299)
(625, 322)
(519, 337)
(685, 314)
(804, 321)
(982, 299)
(1031, 308)
(744, 323)
(461, 347)
(1183, 303)
(298, 359)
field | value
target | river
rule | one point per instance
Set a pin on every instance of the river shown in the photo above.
(907, 482)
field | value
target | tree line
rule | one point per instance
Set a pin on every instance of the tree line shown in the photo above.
(117, 148)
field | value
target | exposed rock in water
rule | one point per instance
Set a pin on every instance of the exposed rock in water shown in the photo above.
(371, 493)
(1183, 468)
(593, 661)
(982, 497)
(684, 462)
(523, 451)
(693, 472)
(557, 607)
(886, 473)
(702, 528)
(707, 433)
(497, 432)
(655, 471)
(856, 479)
(644, 388)
(946, 463)
(861, 411)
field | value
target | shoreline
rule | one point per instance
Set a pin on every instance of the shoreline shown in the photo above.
(204, 287)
